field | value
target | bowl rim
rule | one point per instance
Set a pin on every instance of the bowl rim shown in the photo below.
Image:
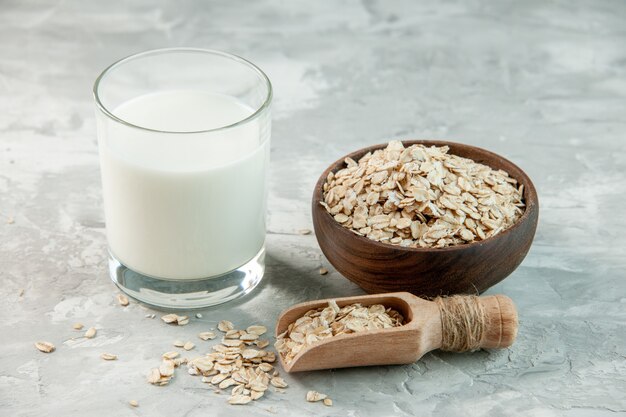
(531, 198)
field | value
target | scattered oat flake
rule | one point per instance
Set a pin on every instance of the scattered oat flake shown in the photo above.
(328, 402)
(323, 271)
(179, 343)
(239, 399)
(175, 319)
(266, 367)
(258, 330)
(170, 318)
(269, 357)
(217, 379)
(45, 347)
(305, 231)
(90, 333)
(261, 343)
(122, 300)
(250, 353)
(247, 372)
(206, 335)
(249, 337)
(133, 403)
(225, 326)
(255, 395)
(170, 355)
(167, 368)
(278, 382)
(108, 356)
(189, 346)
(232, 334)
(228, 382)
(314, 396)
(77, 326)
(154, 376)
(232, 342)
(198, 315)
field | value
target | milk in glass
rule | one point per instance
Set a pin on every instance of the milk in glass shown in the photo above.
(183, 205)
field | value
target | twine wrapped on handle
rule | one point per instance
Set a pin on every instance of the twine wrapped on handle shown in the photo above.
(463, 322)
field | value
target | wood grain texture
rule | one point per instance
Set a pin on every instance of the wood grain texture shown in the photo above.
(421, 333)
(379, 267)
(502, 322)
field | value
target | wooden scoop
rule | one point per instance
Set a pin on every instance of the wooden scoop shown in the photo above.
(421, 333)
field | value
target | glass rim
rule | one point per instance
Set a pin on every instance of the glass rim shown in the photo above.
(265, 105)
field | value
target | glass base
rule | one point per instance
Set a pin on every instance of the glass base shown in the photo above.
(188, 294)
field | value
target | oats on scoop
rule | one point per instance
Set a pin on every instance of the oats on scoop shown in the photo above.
(322, 323)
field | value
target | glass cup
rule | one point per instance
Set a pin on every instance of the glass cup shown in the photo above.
(184, 139)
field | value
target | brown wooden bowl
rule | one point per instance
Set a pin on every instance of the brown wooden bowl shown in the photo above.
(382, 267)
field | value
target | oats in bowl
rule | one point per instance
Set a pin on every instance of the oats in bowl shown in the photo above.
(419, 196)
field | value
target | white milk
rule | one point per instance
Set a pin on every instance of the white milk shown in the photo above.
(184, 205)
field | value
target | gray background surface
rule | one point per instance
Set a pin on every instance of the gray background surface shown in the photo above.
(542, 83)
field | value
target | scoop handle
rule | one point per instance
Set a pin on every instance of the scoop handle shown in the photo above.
(470, 322)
